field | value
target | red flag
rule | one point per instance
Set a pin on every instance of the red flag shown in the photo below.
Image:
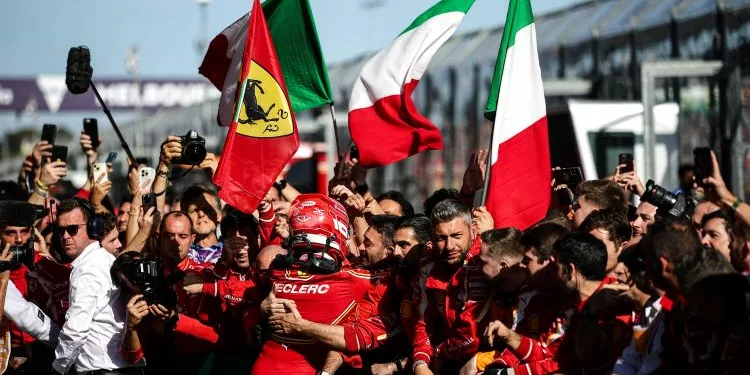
(263, 135)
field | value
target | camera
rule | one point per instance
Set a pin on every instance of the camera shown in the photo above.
(676, 205)
(22, 254)
(148, 276)
(193, 149)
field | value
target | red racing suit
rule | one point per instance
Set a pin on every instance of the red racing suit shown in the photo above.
(326, 299)
(441, 313)
(267, 227)
(207, 309)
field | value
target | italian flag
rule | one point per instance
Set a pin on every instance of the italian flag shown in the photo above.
(383, 120)
(518, 193)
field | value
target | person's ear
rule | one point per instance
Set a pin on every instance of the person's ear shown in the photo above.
(571, 271)
(665, 266)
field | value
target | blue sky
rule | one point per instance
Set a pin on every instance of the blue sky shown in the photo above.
(36, 34)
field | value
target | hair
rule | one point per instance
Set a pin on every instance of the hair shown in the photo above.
(195, 192)
(729, 221)
(400, 198)
(614, 222)
(420, 224)
(128, 198)
(12, 191)
(109, 222)
(71, 204)
(585, 252)
(698, 264)
(450, 209)
(604, 194)
(437, 197)
(176, 214)
(235, 219)
(671, 238)
(684, 169)
(504, 243)
(385, 225)
(556, 216)
(541, 239)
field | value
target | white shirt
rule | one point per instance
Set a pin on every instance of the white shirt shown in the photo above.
(28, 317)
(95, 322)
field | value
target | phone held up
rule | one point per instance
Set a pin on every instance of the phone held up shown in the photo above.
(49, 132)
(148, 201)
(59, 153)
(569, 176)
(704, 165)
(627, 161)
(91, 129)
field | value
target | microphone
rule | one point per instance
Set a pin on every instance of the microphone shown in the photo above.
(78, 71)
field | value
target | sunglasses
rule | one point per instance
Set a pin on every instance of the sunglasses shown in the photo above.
(71, 229)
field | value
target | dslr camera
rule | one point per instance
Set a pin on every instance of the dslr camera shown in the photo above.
(22, 254)
(193, 149)
(148, 276)
(668, 204)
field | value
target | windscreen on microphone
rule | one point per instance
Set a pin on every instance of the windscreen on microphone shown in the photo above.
(78, 72)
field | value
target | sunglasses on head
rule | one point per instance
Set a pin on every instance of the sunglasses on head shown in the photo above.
(71, 229)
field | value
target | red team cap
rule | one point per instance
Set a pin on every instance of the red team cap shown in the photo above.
(320, 224)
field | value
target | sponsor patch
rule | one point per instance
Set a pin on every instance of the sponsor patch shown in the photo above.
(406, 309)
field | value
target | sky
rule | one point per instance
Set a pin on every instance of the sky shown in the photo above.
(35, 35)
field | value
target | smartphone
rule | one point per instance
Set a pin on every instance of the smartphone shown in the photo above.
(569, 176)
(704, 166)
(627, 160)
(354, 153)
(60, 153)
(148, 200)
(563, 197)
(90, 127)
(49, 132)
(141, 161)
(98, 170)
(111, 157)
(146, 176)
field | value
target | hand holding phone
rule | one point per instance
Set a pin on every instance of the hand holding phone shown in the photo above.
(49, 133)
(148, 200)
(60, 153)
(354, 153)
(146, 176)
(626, 163)
(704, 165)
(568, 176)
(91, 128)
(99, 170)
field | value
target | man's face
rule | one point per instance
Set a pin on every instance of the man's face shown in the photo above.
(15, 235)
(645, 215)
(74, 237)
(241, 245)
(175, 238)
(373, 249)
(391, 207)
(581, 210)
(612, 251)
(701, 210)
(491, 267)
(204, 215)
(453, 240)
(715, 235)
(404, 241)
(532, 263)
(111, 242)
(123, 216)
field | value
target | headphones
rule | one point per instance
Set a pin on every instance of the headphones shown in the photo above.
(95, 224)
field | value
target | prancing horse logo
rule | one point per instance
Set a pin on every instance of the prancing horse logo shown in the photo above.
(264, 108)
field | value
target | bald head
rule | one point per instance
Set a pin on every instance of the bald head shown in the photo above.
(267, 255)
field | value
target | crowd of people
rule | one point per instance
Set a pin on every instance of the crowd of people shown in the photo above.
(361, 282)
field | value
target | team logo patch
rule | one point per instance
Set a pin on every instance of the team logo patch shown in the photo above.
(264, 109)
(302, 218)
(307, 204)
(318, 211)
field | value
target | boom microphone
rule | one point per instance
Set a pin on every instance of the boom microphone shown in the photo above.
(78, 72)
(78, 79)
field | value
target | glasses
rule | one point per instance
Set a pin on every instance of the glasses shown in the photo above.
(71, 229)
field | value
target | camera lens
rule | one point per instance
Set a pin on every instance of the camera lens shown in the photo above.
(194, 153)
(659, 197)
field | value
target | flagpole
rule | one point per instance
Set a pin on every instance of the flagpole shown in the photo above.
(335, 131)
(487, 172)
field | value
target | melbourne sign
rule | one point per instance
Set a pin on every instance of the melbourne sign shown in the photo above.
(47, 93)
